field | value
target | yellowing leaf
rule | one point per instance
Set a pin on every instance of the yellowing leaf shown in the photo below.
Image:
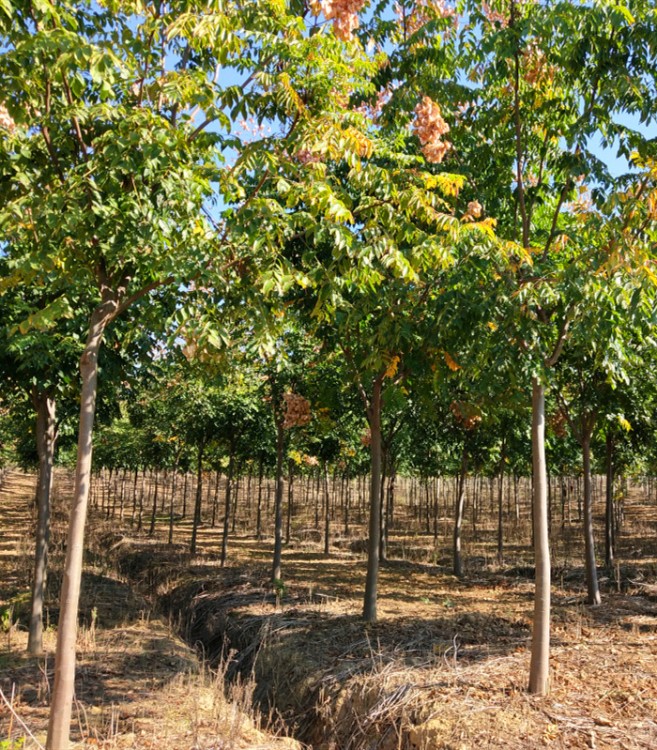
(451, 363)
(392, 367)
(624, 423)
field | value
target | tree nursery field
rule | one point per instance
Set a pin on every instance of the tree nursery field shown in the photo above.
(327, 373)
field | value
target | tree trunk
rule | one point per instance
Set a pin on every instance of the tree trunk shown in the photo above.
(500, 512)
(290, 500)
(198, 500)
(59, 722)
(458, 516)
(278, 504)
(134, 496)
(347, 503)
(229, 485)
(609, 504)
(261, 472)
(122, 494)
(592, 587)
(236, 500)
(151, 529)
(327, 511)
(383, 531)
(317, 496)
(46, 437)
(184, 502)
(539, 670)
(371, 583)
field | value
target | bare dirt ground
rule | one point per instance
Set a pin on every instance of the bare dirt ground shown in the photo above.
(445, 667)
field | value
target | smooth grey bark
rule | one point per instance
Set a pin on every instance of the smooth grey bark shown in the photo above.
(171, 510)
(458, 516)
(134, 496)
(500, 509)
(347, 503)
(185, 490)
(236, 500)
(592, 586)
(290, 500)
(261, 473)
(215, 499)
(609, 503)
(46, 437)
(278, 504)
(59, 722)
(318, 481)
(122, 494)
(227, 498)
(151, 528)
(327, 511)
(539, 669)
(198, 499)
(383, 530)
(374, 541)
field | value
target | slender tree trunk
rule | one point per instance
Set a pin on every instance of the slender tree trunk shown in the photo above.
(592, 585)
(458, 515)
(134, 496)
(609, 503)
(46, 437)
(278, 504)
(185, 490)
(142, 495)
(151, 529)
(436, 509)
(539, 670)
(390, 502)
(500, 511)
(290, 500)
(383, 533)
(199, 498)
(371, 583)
(59, 722)
(261, 473)
(229, 484)
(327, 511)
(235, 498)
(122, 495)
(317, 496)
(347, 503)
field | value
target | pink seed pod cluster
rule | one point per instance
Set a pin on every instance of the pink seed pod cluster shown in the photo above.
(343, 13)
(6, 120)
(494, 16)
(297, 410)
(474, 211)
(424, 11)
(366, 438)
(430, 127)
(304, 156)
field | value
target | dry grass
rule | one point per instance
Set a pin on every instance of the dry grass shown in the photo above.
(445, 668)
(446, 665)
(138, 684)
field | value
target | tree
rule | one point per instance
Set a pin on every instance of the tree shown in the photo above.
(110, 157)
